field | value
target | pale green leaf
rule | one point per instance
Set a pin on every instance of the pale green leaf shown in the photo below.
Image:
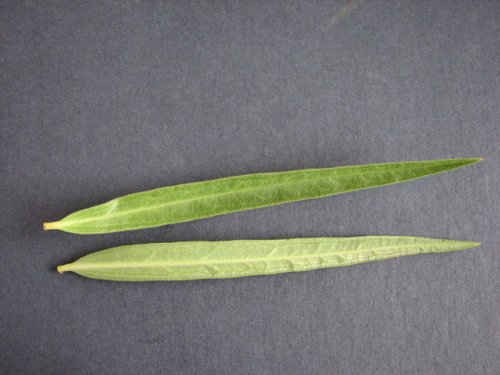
(226, 259)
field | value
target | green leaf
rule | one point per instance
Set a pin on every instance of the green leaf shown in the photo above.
(226, 259)
(186, 202)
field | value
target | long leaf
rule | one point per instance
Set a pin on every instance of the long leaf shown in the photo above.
(186, 202)
(226, 259)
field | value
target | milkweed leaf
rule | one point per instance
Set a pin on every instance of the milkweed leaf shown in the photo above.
(192, 201)
(228, 259)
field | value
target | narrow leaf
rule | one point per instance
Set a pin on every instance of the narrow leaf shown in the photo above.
(227, 259)
(186, 202)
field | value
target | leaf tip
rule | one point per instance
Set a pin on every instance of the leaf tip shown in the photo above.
(470, 161)
(470, 244)
(459, 163)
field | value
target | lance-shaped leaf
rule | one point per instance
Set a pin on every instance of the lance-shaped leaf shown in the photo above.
(186, 202)
(226, 259)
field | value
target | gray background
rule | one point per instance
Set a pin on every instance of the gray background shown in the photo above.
(99, 99)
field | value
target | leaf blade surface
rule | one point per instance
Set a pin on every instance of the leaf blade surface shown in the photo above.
(198, 200)
(228, 259)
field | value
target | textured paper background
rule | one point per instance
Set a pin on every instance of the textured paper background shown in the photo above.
(104, 98)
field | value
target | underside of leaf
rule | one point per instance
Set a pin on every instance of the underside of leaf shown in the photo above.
(228, 259)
